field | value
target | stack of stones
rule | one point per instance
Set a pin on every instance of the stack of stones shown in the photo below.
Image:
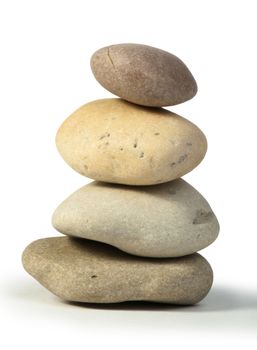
(133, 234)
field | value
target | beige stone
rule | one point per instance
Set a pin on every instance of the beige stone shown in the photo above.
(166, 220)
(87, 271)
(143, 74)
(116, 141)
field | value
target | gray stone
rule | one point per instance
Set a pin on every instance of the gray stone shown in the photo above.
(87, 271)
(116, 141)
(166, 220)
(143, 74)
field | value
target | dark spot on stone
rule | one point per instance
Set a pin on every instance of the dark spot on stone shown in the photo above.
(135, 143)
(172, 164)
(202, 216)
(189, 144)
(121, 148)
(106, 143)
(106, 134)
(85, 167)
(142, 155)
(93, 276)
(182, 158)
(156, 133)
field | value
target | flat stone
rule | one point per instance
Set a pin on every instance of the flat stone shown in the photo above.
(87, 271)
(143, 74)
(116, 141)
(167, 220)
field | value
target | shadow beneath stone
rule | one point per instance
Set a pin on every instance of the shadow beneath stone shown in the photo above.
(219, 299)
(130, 306)
(226, 299)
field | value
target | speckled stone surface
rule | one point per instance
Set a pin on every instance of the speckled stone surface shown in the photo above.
(166, 220)
(116, 141)
(87, 271)
(143, 74)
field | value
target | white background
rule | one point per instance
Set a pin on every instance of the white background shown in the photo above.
(44, 76)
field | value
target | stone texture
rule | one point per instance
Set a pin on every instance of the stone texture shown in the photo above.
(166, 220)
(143, 74)
(87, 271)
(116, 141)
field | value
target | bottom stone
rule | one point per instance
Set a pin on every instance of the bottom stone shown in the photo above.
(88, 271)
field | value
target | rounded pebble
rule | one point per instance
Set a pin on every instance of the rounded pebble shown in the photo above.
(143, 74)
(91, 272)
(116, 141)
(166, 220)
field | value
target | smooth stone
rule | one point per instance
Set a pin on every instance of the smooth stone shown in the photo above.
(167, 220)
(116, 141)
(143, 74)
(91, 272)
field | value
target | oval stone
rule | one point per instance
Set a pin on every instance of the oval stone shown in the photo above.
(87, 271)
(143, 74)
(167, 220)
(116, 141)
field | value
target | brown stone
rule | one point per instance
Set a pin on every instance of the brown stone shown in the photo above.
(87, 271)
(143, 74)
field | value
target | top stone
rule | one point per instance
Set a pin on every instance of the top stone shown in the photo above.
(143, 75)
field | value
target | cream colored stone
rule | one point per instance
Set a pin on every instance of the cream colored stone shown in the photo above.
(87, 271)
(143, 74)
(166, 220)
(115, 141)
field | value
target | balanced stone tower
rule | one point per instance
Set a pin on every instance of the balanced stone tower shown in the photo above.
(133, 233)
